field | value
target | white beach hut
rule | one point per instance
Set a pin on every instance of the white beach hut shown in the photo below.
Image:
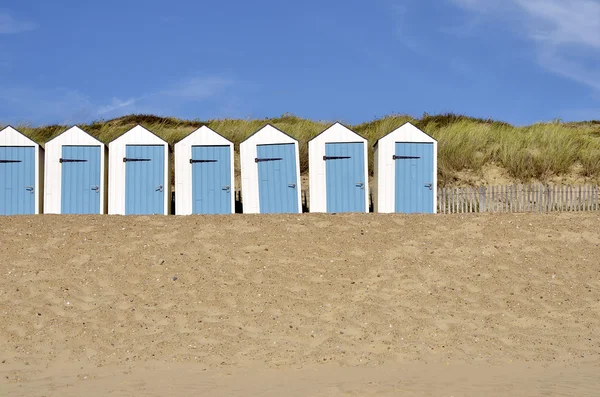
(405, 172)
(21, 174)
(270, 173)
(338, 171)
(204, 179)
(139, 181)
(75, 174)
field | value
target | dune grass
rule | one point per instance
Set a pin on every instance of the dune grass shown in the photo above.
(536, 152)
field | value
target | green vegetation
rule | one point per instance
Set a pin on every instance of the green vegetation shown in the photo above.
(537, 152)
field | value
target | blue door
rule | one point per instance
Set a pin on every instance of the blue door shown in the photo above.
(145, 179)
(414, 177)
(211, 179)
(17, 180)
(80, 183)
(277, 180)
(345, 175)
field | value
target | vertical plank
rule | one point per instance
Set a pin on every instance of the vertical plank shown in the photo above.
(482, 199)
(562, 197)
(541, 189)
(528, 202)
(442, 202)
(471, 196)
(570, 198)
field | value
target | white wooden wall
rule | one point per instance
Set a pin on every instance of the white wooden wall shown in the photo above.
(11, 137)
(138, 135)
(203, 136)
(264, 136)
(385, 168)
(74, 136)
(337, 133)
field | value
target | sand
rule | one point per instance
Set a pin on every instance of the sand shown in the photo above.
(300, 305)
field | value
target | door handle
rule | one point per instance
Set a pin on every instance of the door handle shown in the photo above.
(429, 185)
(226, 188)
(96, 189)
(159, 188)
(292, 185)
(360, 185)
(30, 189)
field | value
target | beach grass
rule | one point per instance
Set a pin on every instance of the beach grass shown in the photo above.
(535, 152)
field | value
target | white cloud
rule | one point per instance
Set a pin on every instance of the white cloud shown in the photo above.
(69, 106)
(10, 25)
(566, 33)
(116, 104)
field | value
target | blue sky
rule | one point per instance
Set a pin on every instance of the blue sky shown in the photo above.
(519, 61)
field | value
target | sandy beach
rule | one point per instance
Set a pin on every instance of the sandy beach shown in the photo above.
(300, 305)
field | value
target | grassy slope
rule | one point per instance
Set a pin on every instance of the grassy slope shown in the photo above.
(537, 152)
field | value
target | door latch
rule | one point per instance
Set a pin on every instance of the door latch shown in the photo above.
(96, 189)
(429, 185)
(30, 189)
(159, 188)
(292, 185)
(360, 185)
(226, 188)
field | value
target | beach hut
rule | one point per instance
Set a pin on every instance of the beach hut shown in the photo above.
(138, 171)
(338, 171)
(270, 173)
(204, 180)
(21, 174)
(405, 172)
(75, 172)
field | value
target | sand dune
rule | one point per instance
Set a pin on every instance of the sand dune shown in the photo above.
(300, 305)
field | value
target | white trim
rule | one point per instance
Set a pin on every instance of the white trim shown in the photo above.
(384, 191)
(138, 135)
(203, 136)
(11, 137)
(267, 135)
(74, 136)
(337, 133)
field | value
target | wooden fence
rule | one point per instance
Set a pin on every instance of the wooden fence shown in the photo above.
(519, 198)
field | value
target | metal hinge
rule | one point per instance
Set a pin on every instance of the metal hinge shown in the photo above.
(405, 157)
(129, 159)
(10, 161)
(61, 160)
(257, 160)
(192, 161)
(335, 157)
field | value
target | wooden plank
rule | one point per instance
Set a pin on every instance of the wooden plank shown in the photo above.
(482, 199)
(570, 198)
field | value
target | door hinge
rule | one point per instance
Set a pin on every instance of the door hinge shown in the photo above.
(129, 159)
(61, 160)
(257, 160)
(30, 189)
(405, 157)
(192, 161)
(335, 157)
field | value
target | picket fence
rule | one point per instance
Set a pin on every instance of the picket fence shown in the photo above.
(519, 198)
